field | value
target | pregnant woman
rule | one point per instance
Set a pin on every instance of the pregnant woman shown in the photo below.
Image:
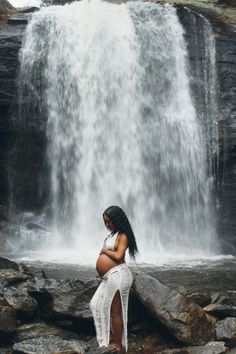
(109, 304)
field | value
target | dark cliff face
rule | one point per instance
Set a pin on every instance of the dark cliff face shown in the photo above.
(226, 67)
(22, 141)
(28, 168)
(225, 171)
(10, 42)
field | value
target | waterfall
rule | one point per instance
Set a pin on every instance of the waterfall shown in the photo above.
(122, 129)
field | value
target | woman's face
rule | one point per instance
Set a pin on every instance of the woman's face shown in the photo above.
(108, 222)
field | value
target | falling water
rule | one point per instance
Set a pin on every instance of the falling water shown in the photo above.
(122, 128)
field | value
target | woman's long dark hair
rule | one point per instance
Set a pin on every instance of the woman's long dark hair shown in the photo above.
(122, 224)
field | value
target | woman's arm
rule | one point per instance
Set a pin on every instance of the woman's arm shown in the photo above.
(118, 254)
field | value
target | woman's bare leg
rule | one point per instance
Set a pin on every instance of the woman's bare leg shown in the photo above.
(117, 321)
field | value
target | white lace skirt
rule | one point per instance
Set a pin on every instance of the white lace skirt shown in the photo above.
(117, 278)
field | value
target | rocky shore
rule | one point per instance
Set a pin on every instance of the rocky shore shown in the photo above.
(47, 315)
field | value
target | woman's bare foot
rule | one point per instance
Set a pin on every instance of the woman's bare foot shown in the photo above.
(117, 346)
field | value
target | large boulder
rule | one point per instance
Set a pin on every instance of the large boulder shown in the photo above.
(24, 304)
(13, 290)
(184, 319)
(50, 345)
(66, 300)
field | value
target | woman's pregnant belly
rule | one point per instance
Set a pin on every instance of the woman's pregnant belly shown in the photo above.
(104, 263)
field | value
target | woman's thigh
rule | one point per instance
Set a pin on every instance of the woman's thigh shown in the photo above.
(126, 279)
(116, 307)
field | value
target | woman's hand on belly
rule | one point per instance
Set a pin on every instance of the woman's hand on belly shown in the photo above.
(104, 263)
(118, 254)
(108, 258)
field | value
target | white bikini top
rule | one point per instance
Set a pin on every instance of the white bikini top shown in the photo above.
(110, 240)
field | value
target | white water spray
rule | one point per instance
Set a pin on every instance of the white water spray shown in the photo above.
(122, 128)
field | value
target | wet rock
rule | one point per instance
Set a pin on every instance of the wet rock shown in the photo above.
(37, 285)
(10, 277)
(7, 319)
(73, 298)
(225, 298)
(42, 329)
(7, 264)
(68, 299)
(185, 320)
(34, 226)
(215, 297)
(19, 19)
(202, 299)
(209, 348)
(50, 345)
(21, 301)
(93, 345)
(3, 301)
(29, 9)
(181, 289)
(226, 331)
(32, 271)
(220, 310)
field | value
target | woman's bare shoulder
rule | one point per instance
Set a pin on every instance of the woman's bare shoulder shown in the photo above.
(123, 237)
